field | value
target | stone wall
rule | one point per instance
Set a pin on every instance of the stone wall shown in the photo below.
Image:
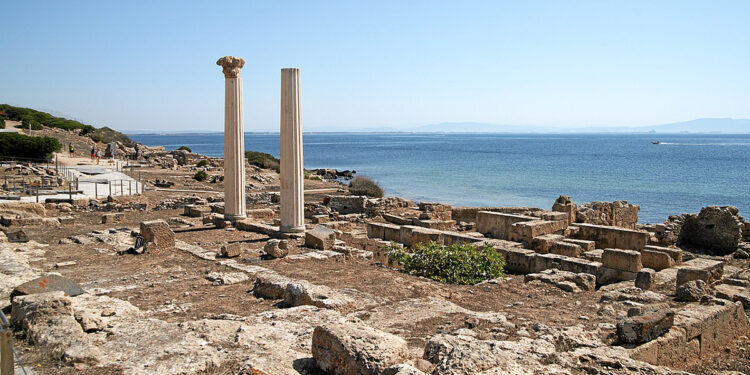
(498, 225)
(469, 214)
(715, 228)
(613, 237)
(617, 214)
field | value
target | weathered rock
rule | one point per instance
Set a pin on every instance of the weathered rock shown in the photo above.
(691, 291)
(566, 205)
(17, 236)
(402, 369)
(623, 260)
(320, 237)
(226, 278)
(49, 283)
(276, 248)
(354, 348)
(617, 214)
(645, 279)
(646, 327)
(231, 250)
(158, 233)
(715, 228)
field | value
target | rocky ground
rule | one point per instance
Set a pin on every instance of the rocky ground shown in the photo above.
(184, 309)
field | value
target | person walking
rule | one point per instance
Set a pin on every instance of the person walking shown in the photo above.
(71, 150)
(98, 156)
(93, 152)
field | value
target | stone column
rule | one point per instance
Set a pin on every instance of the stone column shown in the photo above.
(234, 139)
(292, 179)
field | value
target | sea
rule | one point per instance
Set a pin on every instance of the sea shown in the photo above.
(682, 173)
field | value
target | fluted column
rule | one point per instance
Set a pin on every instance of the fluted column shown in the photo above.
(292, 179)
(234, 139)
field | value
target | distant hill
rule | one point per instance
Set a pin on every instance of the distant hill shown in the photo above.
(31, 118)
(705, 125)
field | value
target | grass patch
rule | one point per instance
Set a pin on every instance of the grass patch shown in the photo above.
(362, 185)
(22, 146)
(263, 160)
(201, 163)
(463, 263)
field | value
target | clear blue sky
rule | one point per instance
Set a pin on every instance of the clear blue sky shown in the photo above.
(150, 65)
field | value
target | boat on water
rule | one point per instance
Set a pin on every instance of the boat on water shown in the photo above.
(655, 142)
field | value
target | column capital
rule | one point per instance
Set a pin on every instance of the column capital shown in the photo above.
(231, 65)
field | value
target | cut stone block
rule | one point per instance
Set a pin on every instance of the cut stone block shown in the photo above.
(498, 225)
(231, 250)
(675, 254)
(645, 279)
(320, 237)
(586, 245)
(646, 327)
(613, 237)
(700, 269)
(541, 244)
(526, 230)
(158, 233)
(567, 249)
(624, 260)
(656, 260)
(49, 283)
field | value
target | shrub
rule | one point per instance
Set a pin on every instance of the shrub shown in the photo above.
(361, 185)
(263, 160)
(200, 175)
(23, 146)
(186, 148)
(201, 163)
(456, 264)
(2, 122)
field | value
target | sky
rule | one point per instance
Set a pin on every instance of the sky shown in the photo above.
(146, 66)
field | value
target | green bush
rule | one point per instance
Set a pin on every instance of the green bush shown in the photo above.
(362, 185)
(31, 124)
(201, 163)
(186, 148)
(200, 175)
(263, 160)
(2, 122)
(23, 146)
(456, 264)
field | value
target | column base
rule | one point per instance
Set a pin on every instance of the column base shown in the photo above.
(234, 218)
(291, 229)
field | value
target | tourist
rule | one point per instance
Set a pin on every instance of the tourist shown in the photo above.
(71, 150)
(98, 156)
(93, 152)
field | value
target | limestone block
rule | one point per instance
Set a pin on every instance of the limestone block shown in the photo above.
(646, 327)
(526, 231)
(608, 275)
(320, 237)
(584, 244)
(498, 225)
(276, 248)
(704, 269)
(645, 279)
(656, 260)
(566, 248)
(675, 254)
(231, 250)
(424, 235)
(613, 237)
(541, 244)
(354, 348)
(624, 260)
(158, 233)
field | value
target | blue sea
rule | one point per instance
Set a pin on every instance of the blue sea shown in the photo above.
(681, 174)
